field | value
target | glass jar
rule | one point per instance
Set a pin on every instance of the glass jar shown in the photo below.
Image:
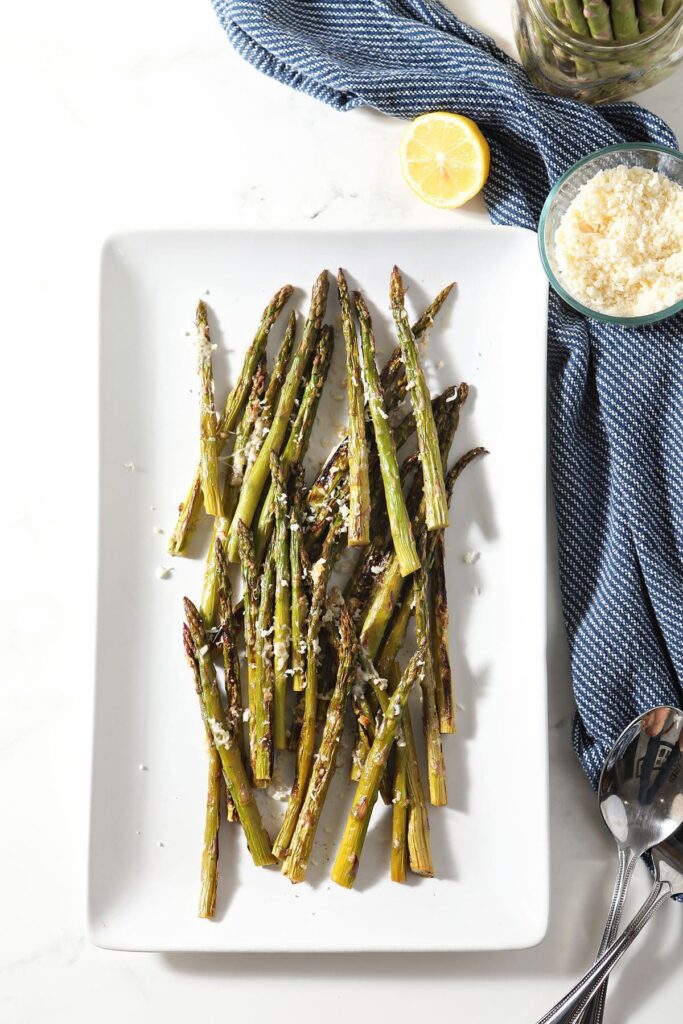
(561, 62)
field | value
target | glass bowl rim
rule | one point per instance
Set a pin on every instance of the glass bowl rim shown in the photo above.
(592, 314)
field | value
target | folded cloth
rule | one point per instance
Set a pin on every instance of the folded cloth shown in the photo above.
(614, 394)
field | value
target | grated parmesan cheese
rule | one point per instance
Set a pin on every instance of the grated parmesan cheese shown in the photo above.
(619, 246)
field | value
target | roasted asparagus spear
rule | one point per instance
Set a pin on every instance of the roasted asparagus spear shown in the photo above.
(346, 863)
(401, 531)
(188, 510)
(212, 820)
(226, 744)
(302, 841)
(436, 515)
(208, 420)
(359, 477)
(282, 617)
(255, 481)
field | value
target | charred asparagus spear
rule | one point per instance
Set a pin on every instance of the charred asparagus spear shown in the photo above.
(401, 532)
(346, 863)
(302, 842)
(254, 483)
(226, 744)
(388, 593)
(212, 820)
(274, 389)
(228, 633)
(188, 510)
(439, 636)
(399, 817)
(299, 601)
(436, 765)
(419, 844)
(359, 478)
(208, 420)
(250, 600)
(282, 623)
(432, 470)
(263, 756)
(364, 736)
(366, 576)
(392, 380)
(369, 570)
(321, 574)
(231, 487)
(299, 435)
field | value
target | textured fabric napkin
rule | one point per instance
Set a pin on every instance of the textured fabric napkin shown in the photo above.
(615, 395)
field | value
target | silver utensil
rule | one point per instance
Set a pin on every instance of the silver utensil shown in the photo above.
(641, 799)
(636, 824)
(668, 863)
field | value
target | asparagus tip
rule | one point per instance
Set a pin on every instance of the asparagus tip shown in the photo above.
(396, 289)
(187, 642)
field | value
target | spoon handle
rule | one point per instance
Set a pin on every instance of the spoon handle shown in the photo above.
(569, 1009)
(594, 1012)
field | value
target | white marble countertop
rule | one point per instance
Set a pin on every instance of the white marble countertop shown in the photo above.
(139, 115)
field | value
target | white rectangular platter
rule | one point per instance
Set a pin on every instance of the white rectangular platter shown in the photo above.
(490, 845)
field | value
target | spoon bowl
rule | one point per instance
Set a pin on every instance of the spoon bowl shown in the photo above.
(641, 790)
(641, 799)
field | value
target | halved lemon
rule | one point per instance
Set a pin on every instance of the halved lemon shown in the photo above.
(445, 158)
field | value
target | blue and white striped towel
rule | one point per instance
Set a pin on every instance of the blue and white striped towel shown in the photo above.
(615, 395)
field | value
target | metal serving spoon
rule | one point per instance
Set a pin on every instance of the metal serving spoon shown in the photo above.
(641, 799)
(636, 823)
(668, 863)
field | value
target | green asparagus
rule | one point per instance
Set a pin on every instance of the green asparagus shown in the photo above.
(597, 15)
(441, 662)
(359, 478)
(299, 434)
(282, 617)
(212, 820)
(253, 485)
(264, 673)
(299, 601)
(432, 470)
(321, 574)
(401, 532)
(208, 420)
(226, 744)
(228, 634)
(250, 598)
(231, 487)
(436, 765)
(188, 510)
(650, 14)
(346, 863)
(276, 382)
(624, 20)
(302, 841)
(392, 380)
(576, 17)
(399, 817)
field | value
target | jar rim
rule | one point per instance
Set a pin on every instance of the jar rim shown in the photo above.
(605, 46)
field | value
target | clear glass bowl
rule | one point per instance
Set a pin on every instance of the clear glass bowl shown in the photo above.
(654, 158)
(561, 62)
